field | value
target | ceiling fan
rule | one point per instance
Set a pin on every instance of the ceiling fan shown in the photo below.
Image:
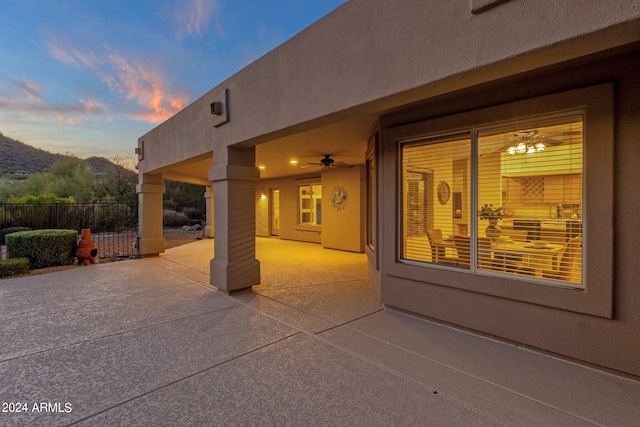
(529, 142)
(328, 162)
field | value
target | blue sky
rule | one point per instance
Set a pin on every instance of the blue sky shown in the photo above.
(88, 77)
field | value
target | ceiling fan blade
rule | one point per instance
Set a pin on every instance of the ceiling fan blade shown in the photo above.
(326, 162)
(341, 165)
(549, 142)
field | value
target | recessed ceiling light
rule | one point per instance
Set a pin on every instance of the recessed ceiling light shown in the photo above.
(293, 162)
(261, 167)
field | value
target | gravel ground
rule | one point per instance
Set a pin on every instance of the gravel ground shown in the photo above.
(176, 236)
(173, 237)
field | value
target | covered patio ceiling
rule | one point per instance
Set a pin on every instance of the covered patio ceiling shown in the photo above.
(345, 141)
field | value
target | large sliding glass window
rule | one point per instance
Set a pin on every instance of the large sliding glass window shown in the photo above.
(433, 171)
(504, 199)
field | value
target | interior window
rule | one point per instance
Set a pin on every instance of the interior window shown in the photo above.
(530, 199)
(433, 171)
(310, 204)
(497, 200)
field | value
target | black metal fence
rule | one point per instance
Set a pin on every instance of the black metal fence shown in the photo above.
(114, 226)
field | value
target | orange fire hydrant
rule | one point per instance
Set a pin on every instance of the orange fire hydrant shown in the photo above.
(86, 251)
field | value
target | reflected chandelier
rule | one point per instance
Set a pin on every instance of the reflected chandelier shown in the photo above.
(527, 143)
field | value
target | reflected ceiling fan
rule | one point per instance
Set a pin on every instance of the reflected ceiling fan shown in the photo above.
(529, 143)
(328, 162)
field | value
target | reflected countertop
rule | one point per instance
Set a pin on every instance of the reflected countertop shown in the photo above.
(544, 223)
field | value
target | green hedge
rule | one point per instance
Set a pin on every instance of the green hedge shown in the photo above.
(44, 248)
(14, 266)
(10, 230)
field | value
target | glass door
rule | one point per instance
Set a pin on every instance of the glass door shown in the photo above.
(275, 211)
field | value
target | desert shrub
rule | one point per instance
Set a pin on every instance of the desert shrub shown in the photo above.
(41, 199)
(10, 230)
(44, 248)
(71, 177)
(118, 184)
(114, 217)
(75, 216)
(195, 215)
(171, 218)
(14, 266)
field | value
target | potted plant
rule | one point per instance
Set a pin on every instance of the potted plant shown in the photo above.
(491, 214)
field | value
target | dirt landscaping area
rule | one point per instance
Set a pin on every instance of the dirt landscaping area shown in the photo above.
(176, 237)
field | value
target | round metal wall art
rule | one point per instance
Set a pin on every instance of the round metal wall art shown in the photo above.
(339, 198)
(443, 192)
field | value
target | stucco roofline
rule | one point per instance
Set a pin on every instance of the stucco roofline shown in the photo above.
(362, 61)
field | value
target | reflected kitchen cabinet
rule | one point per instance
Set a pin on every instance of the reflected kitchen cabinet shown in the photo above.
(512, 191)
(542, 189)
(554, 189)
(564, 188)
(573, 188)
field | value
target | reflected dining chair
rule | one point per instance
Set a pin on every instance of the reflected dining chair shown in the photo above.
(463, 248)
(485, 259)
(563, 270)
(518, 235)
(567, 260)
(439, 248)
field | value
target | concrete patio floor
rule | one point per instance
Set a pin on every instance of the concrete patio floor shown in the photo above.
(150, 342)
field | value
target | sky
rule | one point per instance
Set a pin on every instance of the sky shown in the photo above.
(88, 77)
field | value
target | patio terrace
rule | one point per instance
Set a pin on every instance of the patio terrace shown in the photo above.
(150, 342)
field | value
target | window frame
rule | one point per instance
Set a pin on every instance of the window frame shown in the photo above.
(427, 140)
(372, 213)
(596, 295)
(307, 226)
(371, 203)
(473, 136)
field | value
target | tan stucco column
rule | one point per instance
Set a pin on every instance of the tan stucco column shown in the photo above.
(208, 199)
(150, 191)
(234, 177)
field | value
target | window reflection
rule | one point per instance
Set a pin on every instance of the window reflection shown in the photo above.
(433, 170)
(528, 188)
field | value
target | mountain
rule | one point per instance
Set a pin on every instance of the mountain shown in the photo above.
(19, 158)
(102, 166)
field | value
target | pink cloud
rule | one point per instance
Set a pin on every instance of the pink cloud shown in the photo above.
(25, 100)
(30, 90)
(26, 91)
(147, 87)
(194, 17)
(155, 100)
(66, 53)
(91, 105)
(40, 111)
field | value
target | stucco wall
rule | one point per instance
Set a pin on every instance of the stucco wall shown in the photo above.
(341, 229)
(370, 59)
(611, 340)
(288, 187)
(361, 59)
(343, 226)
